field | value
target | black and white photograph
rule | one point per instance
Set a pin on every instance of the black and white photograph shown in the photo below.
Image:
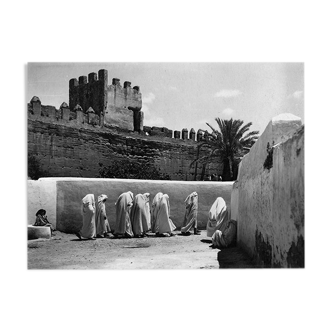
(165, 165)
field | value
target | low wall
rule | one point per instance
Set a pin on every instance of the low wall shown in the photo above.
(69, 193)
(271, 196)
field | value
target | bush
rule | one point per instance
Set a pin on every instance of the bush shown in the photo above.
(34, 169)
(125, 169)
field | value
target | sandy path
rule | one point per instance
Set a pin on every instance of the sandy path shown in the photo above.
(65, 251)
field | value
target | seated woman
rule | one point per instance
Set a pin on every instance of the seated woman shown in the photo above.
(102, 225)
(165, 226)
(225, 238)
(41, 220)
(140, 215)
(218, 217)
(122, 221)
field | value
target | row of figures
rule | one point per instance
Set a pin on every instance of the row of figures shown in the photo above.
(134, 218)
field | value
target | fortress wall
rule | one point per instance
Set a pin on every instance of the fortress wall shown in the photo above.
(76, 150)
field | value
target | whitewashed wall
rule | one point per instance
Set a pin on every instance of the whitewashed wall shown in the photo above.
(271, 201)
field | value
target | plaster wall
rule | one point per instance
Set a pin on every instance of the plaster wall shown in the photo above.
(265, 224)
(288, 203)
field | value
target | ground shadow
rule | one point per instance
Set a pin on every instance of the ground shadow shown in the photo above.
(143, 245)
(184, 234)
(206, 241)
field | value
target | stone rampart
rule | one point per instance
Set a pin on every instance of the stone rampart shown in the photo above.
(75, 143)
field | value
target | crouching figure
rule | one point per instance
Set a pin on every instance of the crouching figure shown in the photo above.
(223, 239)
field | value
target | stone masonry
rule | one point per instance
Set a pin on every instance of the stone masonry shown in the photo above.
(103, 123)
(115, 105)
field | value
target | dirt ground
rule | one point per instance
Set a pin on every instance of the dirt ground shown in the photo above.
(66, 251)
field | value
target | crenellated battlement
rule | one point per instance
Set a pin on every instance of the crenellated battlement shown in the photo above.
(79, 117)
(183, 135)
(118, 106)
(115, 105)
(102, 123)
(92, 102)
(62, 115)
(89, 91)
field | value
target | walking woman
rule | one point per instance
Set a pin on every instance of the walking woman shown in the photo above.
(154, 210)
(190, 217)
(88, 230)
(102, 225)
(122, 222)
(163, 221)
(140, 215)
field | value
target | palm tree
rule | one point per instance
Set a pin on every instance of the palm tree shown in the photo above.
(226, 145)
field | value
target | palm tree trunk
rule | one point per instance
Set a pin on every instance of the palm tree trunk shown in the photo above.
(226, 174)
(203, 172)
(230, 167)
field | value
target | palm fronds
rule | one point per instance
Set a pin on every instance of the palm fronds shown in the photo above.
(226, 145)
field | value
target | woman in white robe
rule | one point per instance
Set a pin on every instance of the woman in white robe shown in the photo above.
(190, 217)
(223, 239)
(147, 209)
(122, 222)
(218, 217)
(88, 229)
(154, 210)
(140, 215)
(102, 225)
(163, 221)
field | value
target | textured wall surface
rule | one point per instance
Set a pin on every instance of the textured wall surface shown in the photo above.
(114, 102)
(66, 199)
(76, 150)
(271, 198)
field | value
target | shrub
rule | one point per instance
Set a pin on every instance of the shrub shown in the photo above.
(34, 169)
(126, 169)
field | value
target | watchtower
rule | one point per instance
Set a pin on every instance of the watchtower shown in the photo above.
(118, 106)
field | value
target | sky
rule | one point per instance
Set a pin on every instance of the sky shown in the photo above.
(188, 95)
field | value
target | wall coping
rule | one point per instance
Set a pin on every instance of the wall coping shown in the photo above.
(68, 179)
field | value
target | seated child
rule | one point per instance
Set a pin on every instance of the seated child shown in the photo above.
(41, 220)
